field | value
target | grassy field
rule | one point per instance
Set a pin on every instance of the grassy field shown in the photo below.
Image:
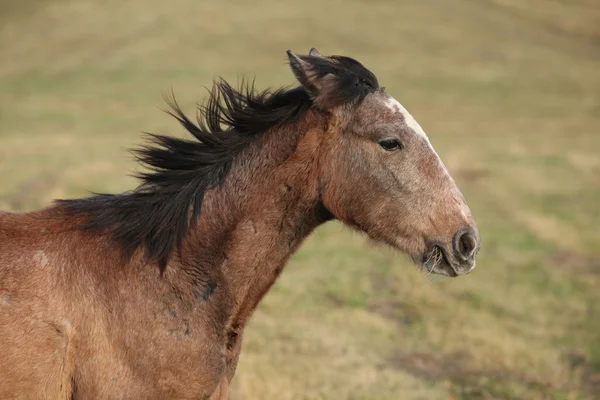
(509, 92)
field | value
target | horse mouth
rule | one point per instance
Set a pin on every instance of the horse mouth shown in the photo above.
(436, 261)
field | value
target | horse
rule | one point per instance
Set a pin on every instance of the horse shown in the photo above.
(146, 294)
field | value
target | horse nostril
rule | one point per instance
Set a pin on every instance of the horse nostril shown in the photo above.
(465, 244)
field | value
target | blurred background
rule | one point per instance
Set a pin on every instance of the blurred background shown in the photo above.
(509, 93)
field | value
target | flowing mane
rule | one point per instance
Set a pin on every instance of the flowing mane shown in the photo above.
(156, 214)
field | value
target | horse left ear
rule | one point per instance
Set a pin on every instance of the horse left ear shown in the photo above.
(315, 53)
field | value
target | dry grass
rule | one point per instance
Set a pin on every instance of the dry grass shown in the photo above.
(509, 92)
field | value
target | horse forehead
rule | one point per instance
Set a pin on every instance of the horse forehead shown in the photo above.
(398, 110)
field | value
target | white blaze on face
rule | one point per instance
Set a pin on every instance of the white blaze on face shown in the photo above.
(410, 121)
(395, 106)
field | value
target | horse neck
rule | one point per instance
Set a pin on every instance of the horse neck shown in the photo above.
(266, 207)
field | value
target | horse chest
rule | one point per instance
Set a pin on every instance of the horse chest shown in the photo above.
(180, 363)
(161, 348)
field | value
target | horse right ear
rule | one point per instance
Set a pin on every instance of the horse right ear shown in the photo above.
(306, 72)
(321, 77)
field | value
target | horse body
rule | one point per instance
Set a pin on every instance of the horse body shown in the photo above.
(76, 320)
(30, 320)
(142, 296)
(102, 326)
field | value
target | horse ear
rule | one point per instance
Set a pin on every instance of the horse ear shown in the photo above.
(317, 75)
(306, 73)
(315, 53)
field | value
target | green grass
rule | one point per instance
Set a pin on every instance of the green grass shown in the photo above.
(509, 92)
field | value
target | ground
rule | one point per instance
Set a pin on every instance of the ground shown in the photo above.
(509, 93)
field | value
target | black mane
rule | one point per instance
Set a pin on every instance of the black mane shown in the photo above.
(156, 215)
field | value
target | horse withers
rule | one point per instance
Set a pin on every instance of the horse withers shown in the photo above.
(146, 294)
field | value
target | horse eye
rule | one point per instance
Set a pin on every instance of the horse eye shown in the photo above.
(391, 144)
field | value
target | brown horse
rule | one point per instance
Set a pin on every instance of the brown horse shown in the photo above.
(145, 295)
